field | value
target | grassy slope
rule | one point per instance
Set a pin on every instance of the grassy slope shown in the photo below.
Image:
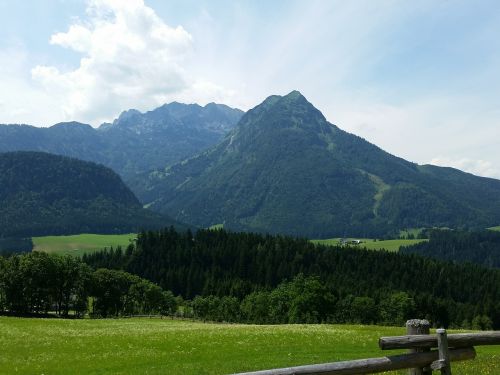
(81, 243)
(390, 245)
(153, 346)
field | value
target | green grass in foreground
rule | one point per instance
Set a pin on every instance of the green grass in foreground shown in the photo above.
(154, 346)
(389, 245)
(80, 243)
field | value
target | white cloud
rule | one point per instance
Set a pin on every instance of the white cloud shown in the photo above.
(21, 102)
(78, 38)
(131, 58)
(477, 167)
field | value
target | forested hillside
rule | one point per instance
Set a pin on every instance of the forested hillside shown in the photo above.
(460, 246)
(357, 285)
(285, 169)
(42, 194)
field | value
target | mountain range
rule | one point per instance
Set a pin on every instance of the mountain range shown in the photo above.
(133, 143)
(279, 168)
(285, 169)
(42, 194)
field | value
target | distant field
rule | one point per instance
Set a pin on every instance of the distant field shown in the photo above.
(80, 243)
(495, 228)
(216, 226)
(86, 243)
(389, 245)
(154, 346)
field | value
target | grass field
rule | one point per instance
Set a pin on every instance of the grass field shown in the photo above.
(389, 245)
(216, 226)
(86, 243)
(80, 243)
(154, 346)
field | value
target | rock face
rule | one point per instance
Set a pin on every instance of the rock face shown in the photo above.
(285, 169)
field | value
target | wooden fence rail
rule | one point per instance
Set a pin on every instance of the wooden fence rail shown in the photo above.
(455, 340)
(371, 365)
(419, 360)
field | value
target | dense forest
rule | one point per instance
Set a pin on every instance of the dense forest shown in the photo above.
(15, 245)
(257, 273)
(461, 246)
(39, 283)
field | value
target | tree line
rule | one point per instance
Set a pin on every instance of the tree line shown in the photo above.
(305, 300)
(258, 276)
(479, 247)
(40, 283)
(15, 245)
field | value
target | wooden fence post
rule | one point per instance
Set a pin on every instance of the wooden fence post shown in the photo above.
(443, 363)
(418, 327)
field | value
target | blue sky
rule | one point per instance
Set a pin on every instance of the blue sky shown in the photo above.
(419, 79)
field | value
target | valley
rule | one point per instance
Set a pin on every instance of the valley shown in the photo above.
(101, 250)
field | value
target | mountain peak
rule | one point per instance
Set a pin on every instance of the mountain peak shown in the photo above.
(125, 115)
(297, 100)
(71, 126)
(292, 107)
(290, 98)
(295, 94)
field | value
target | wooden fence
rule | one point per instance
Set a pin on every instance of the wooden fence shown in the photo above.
(420, 360)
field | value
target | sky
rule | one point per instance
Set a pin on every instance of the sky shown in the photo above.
(420, 79)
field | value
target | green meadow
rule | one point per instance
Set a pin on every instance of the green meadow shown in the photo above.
(216, 226)
(81, 243)
(164, 346)
(371, 244)
(85, 243)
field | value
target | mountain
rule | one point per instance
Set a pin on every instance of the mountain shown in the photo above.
(72, 139)
(285, 169)
(138, 142)
(133, 143)
(42, 194)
